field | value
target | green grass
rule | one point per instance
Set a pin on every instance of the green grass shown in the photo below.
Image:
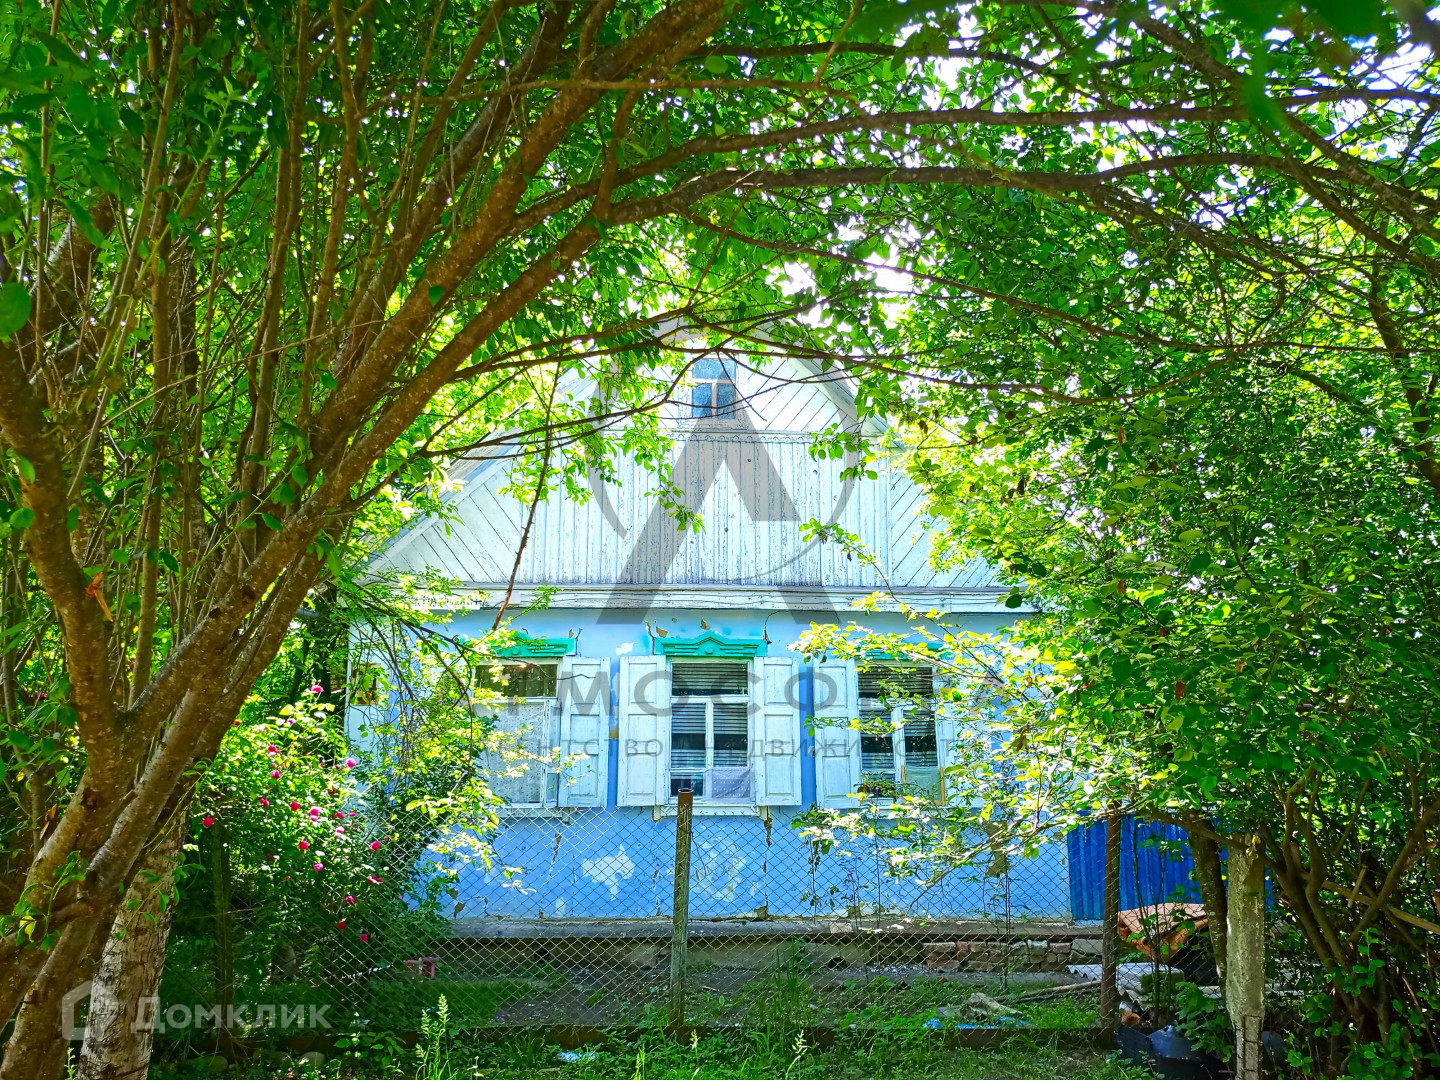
(471, 1004)
(762, 1058)
(757, 1056)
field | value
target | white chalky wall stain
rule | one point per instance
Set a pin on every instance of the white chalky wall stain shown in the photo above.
(718, 869)
(609, 870)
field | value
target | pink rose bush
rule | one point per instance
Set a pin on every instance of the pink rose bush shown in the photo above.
(275, 795)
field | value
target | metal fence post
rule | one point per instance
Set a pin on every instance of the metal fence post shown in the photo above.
(680, 936)
(1110, 941)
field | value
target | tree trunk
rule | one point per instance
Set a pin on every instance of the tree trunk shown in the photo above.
(118, 1035)
(1209, 876)
(39, 1039)
(1245, 971)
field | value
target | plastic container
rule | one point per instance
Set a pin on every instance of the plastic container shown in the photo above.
(1140, 1049)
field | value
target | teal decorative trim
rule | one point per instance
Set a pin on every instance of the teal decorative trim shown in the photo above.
(711, 644)
(541, 646)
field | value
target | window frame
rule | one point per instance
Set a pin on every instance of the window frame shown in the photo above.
(509, 662)
(549, 801)
(726, 378)
(366, 684)
(746, 699)
(899, 723)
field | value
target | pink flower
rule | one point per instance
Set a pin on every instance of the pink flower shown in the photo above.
(274, 774)
(294, 805)
(342, 924)
(354, 813)
(350, 763)
(317, 689)
(365, 938)
(374, 845)
(340, 830)
(319, 867)
(264, 801)
(207, 821)
(304, 845)
(350, 899)
(375, 880)
(330, 791)
(271, 749)
(314, 812)
(338, 814)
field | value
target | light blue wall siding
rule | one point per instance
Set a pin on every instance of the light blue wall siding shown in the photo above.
(616, 862)
(619, 864)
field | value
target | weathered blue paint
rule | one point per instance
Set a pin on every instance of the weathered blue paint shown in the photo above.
(1155, 867)
(807, 743)
(616, 862)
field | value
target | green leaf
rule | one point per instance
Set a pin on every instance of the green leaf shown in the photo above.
(716, 65)
(1350, 18)
(271, 521)
(436, 294)
(85, 223)
(14, 307)
(1199, 564)
(27, 470)
(63, 54)
(22, 518)
(72, 519)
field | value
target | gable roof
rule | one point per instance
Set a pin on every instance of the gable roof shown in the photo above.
(753, 482)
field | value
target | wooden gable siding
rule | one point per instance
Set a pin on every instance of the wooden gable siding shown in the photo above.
(751, 534)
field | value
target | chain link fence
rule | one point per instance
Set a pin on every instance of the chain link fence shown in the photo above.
(574, 923)
(675, 896)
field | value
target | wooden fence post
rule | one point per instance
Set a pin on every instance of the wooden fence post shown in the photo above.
(1110, 941)
(680, 935)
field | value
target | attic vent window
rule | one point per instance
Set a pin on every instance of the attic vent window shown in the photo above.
(714, 390)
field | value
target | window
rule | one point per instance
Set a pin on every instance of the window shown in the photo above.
(899, 753)
(710, 730)
(518, 769)
(518, 679)
(367, 684)
(714, 390)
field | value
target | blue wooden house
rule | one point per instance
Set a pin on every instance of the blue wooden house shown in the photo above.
(662, 662)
